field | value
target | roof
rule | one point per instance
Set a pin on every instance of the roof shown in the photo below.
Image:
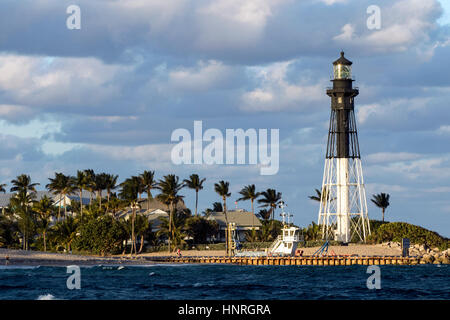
(155, 210)
(343, 60)
(241, 218)
(156, 204)
(5, 197)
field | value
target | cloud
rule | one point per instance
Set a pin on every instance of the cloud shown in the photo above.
(16, 113)
(44, 82)
(275, 92)
(386, 157)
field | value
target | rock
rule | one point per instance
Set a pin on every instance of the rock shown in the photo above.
(445, 259)
(428, 258)
(436, 250)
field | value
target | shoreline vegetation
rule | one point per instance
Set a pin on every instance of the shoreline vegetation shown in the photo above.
(111, 228)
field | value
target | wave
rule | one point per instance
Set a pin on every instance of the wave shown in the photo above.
(47, 296)
(19, 267)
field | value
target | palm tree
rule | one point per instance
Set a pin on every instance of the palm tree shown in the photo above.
(381, 201)
(176, 228)
(62, 185)
(110, 184)
(264, 214)
(45, 209)
(195, 183)
(318, 196)
(141, 227)
(270, 199)
(18, 205)
(25, 193)
(222, 189)
(129, 192)
(23, 184)
(2, 187)
(66, 232)
(217, 207)
(100, 183)
(80, 182)
(148, 183)
(170, 187)
(249, 193)
(90, 183)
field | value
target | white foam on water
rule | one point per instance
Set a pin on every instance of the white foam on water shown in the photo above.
(151, 273)
(120, 268)
(47, 296)
(19, 267)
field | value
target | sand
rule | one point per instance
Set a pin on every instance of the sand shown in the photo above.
(351, 249)
(20, 257)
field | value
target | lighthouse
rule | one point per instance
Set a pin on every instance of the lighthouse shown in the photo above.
(343, 207)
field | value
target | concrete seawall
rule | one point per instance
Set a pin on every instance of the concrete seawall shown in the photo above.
(295, 261)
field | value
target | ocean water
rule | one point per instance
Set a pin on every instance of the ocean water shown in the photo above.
(225, 282)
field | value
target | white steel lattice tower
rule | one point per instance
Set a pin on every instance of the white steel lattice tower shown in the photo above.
(343, 206)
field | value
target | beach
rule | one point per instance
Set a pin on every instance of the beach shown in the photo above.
(21, 257)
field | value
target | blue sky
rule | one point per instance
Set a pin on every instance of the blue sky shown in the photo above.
(108, 96)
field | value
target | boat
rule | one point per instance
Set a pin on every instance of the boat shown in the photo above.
(285, 245)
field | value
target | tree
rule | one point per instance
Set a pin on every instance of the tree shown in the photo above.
(110, 184)
(195, 183)
(23, 184)
(318, 196)
(66, 231)
(100, 184)
(381, 201)
(44, 208)
(129, 192)
(249, 193)
(222, 189)
(25, 194)
(200, 229)
(142, 225)
(90, 183)
(104, 235)
(18, 206)
(270, 199)
(62, 185)
(170, 187)
(80, 182)
(217, 207)
(174, 228)
(148, 183)
(2, 188)
(264, 214)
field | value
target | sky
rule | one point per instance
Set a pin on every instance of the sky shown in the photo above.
(109, 95)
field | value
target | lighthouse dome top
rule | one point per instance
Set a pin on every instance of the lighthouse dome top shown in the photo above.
(342, 60)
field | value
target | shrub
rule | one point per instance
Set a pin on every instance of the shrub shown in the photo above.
(102, 235)
(395, 231)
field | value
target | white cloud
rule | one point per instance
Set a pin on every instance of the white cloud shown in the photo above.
(384, 157)
(404, 23)
(31, 81)
(204, 76)
(347, 33)
(276, 93)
